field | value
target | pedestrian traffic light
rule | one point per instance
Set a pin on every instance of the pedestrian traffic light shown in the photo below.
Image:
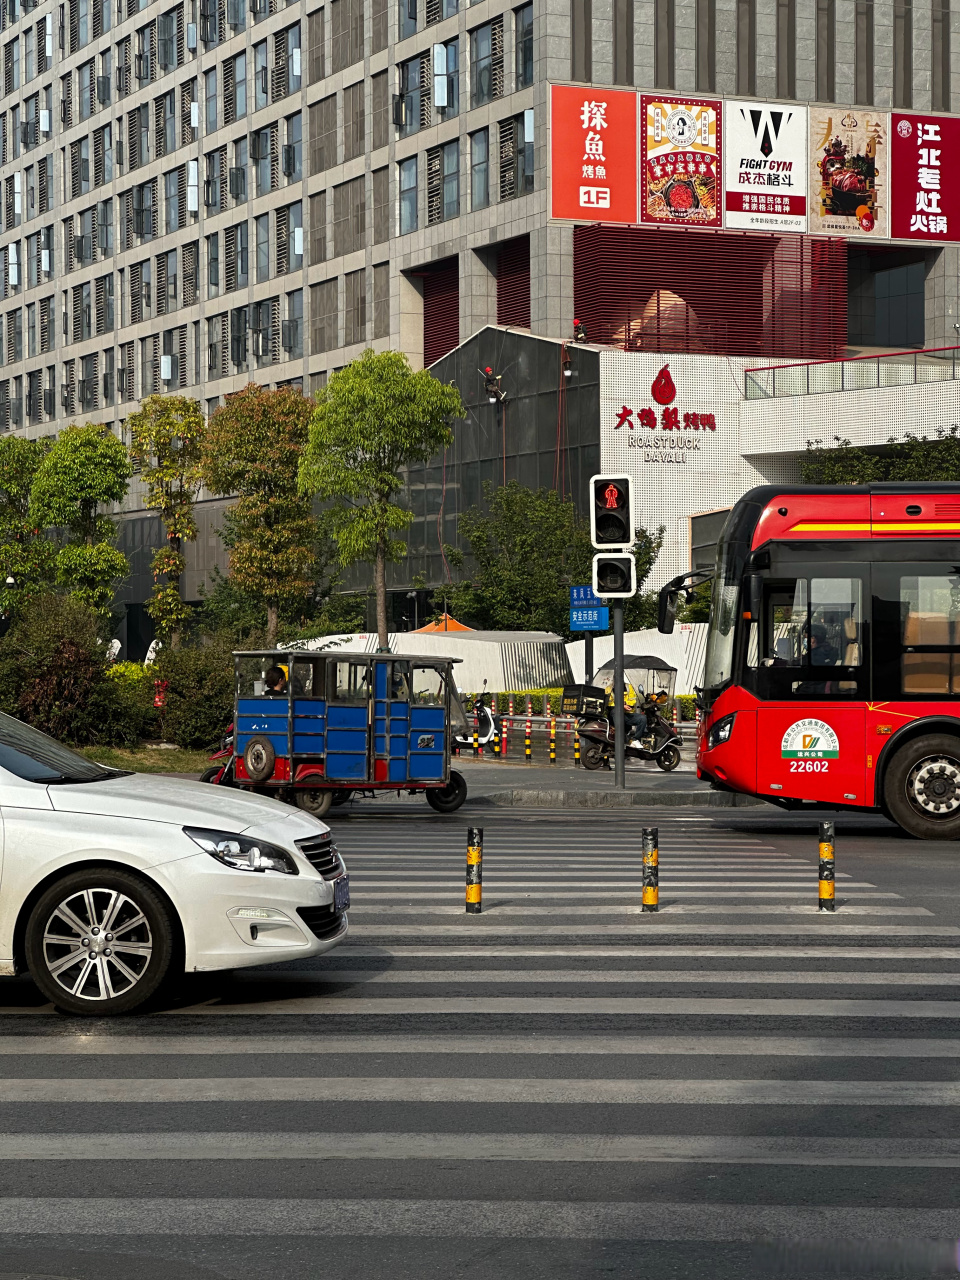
(611, 512)
(615, 575)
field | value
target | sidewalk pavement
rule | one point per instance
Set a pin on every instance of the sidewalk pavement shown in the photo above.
(557, 786)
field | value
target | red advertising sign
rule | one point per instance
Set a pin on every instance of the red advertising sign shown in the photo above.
(925, 184)
(680, 175)
(593, 154)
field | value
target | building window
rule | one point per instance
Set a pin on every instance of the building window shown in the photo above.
(353, 121)
(787, 48)
(941, 55)
(293, 326)
(263, 247)
(623, 41)
(826, 40)
(210, 100)
(863, 41)
(663, 59)
(523, 36)
(516, 156)
(581, 40)
(213, 265)
(381, 300)
(446, 79)
(486, 63)
(381, 206)
(238, 177)
(746, 47)
(480, 169)
(355, 307)
(407, 18)
(293, 149)
(171, 195)
(408, 195)
(349, 217)
(323, 317)
(707, 45)
(414, 104)
(903, 53)
(443, 182)
(261, 76)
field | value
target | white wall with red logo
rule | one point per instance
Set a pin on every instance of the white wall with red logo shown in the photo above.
(652, 412)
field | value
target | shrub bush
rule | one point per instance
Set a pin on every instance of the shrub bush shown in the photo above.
(53, 675)
(134, 691)
(687, 705)
(199, 693)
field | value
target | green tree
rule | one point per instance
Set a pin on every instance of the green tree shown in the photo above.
(166, 439)
(26, 554)
(85, 469)
(919, 459)
(528, 547)
(252, 449)
(912, 459)
(839, 464)
(374, 418)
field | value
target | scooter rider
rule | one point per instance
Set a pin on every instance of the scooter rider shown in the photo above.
(634, 720)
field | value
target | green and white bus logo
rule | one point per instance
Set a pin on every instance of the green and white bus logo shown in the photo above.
(809, 740)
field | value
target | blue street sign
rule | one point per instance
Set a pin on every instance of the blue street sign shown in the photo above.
(589, 619)
(580, 596)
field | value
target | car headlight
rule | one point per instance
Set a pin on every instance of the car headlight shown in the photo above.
(242, 853)
(721, 731)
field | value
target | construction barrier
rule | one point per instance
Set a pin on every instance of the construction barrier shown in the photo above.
(828, 901)
(474, 870)
(651, 869)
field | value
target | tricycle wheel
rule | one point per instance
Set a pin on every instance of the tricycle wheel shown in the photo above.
(341, 797)
(592, 756)
(259, 758)
(316, 803)
(449, 798)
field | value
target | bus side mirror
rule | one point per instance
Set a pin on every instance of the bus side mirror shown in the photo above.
(753, 596)
(667, 610)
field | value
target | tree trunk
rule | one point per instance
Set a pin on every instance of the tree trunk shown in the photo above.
(272, 621)
(380, 581)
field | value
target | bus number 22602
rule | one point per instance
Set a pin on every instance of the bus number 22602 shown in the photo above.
(809, 766)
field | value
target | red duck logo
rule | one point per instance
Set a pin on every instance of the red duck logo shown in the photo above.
(662, 388)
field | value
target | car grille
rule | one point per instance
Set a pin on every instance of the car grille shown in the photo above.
(323, 922)
(321, 853)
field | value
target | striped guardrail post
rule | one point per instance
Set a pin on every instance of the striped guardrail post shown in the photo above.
(828, 901)
(651, 869)
(527, 752)
(474, 870)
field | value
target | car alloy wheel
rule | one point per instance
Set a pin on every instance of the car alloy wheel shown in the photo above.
(99, 942)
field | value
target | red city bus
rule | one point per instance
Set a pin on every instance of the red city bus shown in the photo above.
(832, 674)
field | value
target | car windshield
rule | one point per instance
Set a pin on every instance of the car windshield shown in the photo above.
(27, 753)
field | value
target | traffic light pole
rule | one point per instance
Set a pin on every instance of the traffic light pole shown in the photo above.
(588, 657)
(619, 777)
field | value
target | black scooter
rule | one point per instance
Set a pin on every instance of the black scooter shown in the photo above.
(596, 733)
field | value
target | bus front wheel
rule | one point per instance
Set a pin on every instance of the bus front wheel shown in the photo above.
(921, 791)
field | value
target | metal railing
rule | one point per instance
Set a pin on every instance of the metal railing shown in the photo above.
(858, 373)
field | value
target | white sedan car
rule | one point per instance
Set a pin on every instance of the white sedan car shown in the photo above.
(113, 882)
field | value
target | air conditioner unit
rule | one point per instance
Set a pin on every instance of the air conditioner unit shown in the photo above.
(103, 90)
(288, 160)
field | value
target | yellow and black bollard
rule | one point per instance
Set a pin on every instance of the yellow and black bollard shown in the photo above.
(576, 749)
(476, 740)
(553, 742)
(651, 869)
(828, 901)
(474, 870)
(527, 752)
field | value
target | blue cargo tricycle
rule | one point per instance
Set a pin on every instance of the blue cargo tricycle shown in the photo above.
(313, 728)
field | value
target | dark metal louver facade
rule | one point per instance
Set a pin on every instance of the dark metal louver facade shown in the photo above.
(711, 292)
(513, 282)
(441, 309)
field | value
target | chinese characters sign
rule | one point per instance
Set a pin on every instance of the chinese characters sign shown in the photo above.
(663, 415)
(680, 161)
(925, 201)
(593, 154)
(765, 166)
(848, 172)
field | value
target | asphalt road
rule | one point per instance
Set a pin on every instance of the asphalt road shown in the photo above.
(560, 1088)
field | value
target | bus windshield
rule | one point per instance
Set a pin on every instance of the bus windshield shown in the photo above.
(718, 667)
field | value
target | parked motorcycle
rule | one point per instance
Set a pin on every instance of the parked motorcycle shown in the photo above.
(489, 724)
(220, 773)
(596, 733)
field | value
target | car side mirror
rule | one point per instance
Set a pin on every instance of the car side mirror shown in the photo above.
(753, 596)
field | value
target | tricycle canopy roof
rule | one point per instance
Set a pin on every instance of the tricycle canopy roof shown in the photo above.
(285, 655)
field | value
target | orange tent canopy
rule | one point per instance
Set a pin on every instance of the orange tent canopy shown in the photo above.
(446, 623)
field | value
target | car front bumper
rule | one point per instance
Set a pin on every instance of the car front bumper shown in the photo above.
(232, 919)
